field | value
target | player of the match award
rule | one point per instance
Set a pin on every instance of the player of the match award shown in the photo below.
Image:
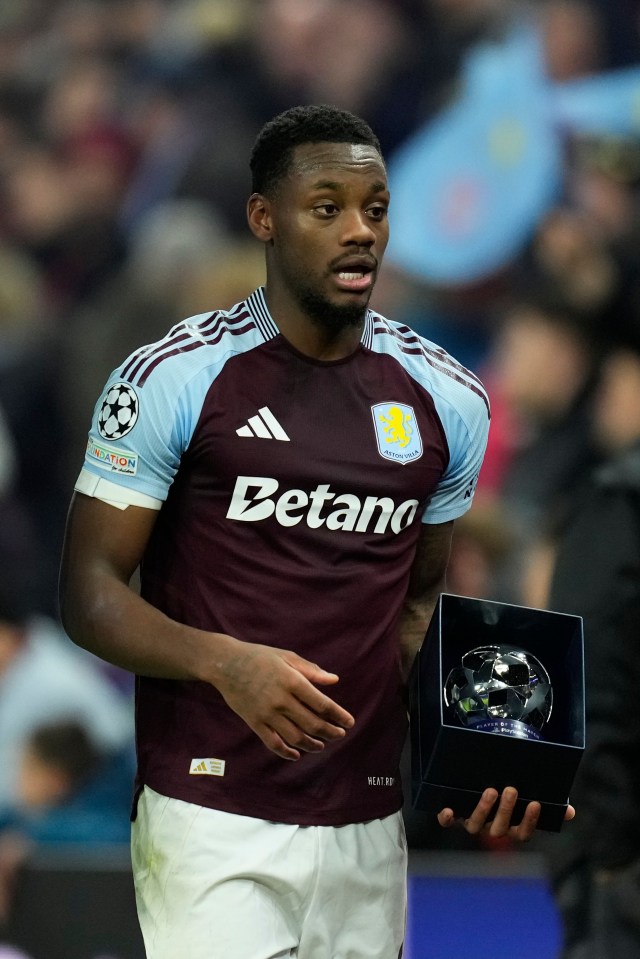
(497, 699)
(500, 689)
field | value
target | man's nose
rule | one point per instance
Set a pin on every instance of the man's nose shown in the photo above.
(357, 228)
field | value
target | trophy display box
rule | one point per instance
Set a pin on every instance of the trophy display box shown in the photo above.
(497, 699)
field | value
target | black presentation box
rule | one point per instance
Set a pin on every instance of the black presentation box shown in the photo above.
(452, 764)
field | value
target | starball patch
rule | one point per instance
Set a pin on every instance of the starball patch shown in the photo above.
(118, 412)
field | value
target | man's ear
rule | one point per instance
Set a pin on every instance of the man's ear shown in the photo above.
(259, 217)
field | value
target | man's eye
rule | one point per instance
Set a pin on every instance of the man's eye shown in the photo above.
(377, 212)
(326, 209)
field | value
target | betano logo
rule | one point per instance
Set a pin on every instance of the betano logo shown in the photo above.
(254, 500)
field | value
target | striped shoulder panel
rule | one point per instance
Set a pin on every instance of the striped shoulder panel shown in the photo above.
(195, 333)
(411, 344)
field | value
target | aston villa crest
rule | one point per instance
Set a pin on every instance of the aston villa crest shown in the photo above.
(397, 433)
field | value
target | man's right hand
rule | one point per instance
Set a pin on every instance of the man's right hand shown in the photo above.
(274, 692)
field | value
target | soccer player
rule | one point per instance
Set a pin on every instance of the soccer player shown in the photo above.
(286, 475)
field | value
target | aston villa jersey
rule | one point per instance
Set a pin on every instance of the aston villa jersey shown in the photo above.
(291, 493)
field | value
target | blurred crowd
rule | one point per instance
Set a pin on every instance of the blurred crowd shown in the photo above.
(125, 132)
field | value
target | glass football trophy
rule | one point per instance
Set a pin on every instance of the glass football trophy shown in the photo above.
(475, 674)
(500, 689)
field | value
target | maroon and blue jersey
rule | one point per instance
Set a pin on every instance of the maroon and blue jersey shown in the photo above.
(291, 492)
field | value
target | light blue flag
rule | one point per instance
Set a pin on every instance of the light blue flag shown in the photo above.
(604, 105)
(470, 187)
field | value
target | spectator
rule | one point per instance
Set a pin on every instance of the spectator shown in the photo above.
(480, 550)
(69, 789)
(42, 679)
(596, 867)
(545, 358)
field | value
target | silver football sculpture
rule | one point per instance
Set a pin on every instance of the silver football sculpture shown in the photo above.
(500, 689)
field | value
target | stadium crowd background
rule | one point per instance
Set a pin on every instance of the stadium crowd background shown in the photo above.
(125, 131)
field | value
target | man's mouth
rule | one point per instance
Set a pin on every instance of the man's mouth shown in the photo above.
(354, 281)
(355, 277)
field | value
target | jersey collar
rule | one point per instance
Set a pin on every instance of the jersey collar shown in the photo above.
(260, 311)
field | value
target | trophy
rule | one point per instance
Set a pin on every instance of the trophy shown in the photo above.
(483, 711)
(500, 689)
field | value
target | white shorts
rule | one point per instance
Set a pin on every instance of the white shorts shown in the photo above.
(213, 885)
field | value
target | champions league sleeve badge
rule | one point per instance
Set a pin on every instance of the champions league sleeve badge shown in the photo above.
(119, 411)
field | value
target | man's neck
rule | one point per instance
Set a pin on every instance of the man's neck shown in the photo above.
(310, 337)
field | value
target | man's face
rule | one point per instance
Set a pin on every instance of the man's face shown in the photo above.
(330, 230)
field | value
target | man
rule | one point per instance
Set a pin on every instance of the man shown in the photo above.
(287, 474)
(596, 868)
(35, 654)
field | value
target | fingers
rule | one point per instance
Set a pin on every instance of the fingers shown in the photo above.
(273, 691)
(476, 821)
(528, 824)
(334, 718)
(289, 735)
(297, 737)
(446, 818)
(295, 729)
(313, 672)
(500, 824)
(273, 741)
(502, 819)
(320, 715)
(290, 738)
(288, 742)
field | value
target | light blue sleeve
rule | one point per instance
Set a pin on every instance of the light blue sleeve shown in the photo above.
(461, 403)
(139, 433)
(465, 419)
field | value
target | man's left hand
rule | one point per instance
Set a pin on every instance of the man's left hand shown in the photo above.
(500, 825)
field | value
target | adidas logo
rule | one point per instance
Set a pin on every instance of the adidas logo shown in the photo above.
(207, 767)
(264, 425)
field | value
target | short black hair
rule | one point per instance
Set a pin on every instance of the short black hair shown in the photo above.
(272, 153)
(14, 609)
(549, 301)
(68, 746)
